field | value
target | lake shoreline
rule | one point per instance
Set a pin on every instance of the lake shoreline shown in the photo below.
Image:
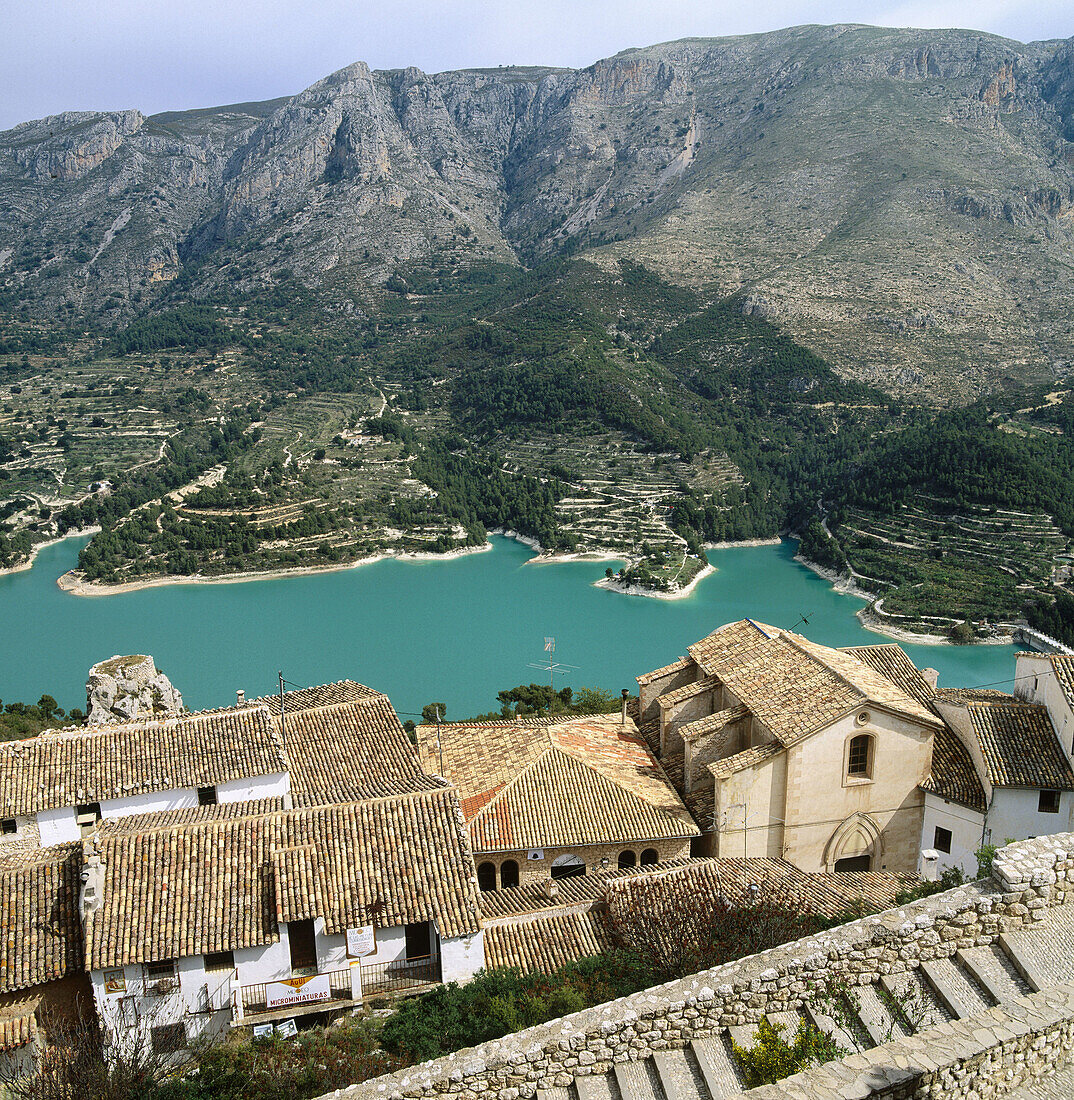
(38, 547)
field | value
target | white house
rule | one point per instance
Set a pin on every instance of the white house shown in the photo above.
(191, 928)
(56, 787)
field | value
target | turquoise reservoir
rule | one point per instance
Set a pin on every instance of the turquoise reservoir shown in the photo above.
(453, 631)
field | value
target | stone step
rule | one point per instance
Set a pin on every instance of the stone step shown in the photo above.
(597, 1087)
(717, 1065)
(954, 988)
(991, 969)
(553, 1094)
(1029, 958)
(818, 1013)
(882, 1024)
(637, 1080)
(677, 1072)
(919, 1002)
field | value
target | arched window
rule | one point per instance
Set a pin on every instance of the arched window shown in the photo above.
(649, 856)
(854, 863)
(567, 866)
(860, 757)
(627, 859)
(508, 873)
(486, 876)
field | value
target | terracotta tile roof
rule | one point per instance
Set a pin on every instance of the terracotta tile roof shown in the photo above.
(713, 723)
(40, 929)
(668, 670)
(17, 1031)
(349, 751)
(76, 766)
(582, 890)
(1063, 667)
(687, 691)
(321, 695)
(827, 893)
(1019, 746)
(953, 775)
(216, 886)
(558, 784)
(970, 695)
(748, 758)
(890, 660)
(548, 941)
(793, 685)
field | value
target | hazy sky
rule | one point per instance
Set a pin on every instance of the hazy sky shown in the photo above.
(172, 54)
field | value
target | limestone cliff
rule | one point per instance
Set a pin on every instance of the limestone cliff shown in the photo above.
(123, 689)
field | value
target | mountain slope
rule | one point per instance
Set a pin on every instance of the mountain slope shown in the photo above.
(898, 201)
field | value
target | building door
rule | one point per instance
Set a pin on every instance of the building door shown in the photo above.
(418, 940)
(854, 863)
(303, 944)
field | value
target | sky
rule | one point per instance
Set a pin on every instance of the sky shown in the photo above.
(158, 55)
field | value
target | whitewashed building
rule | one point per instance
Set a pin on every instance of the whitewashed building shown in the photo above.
(227, 918)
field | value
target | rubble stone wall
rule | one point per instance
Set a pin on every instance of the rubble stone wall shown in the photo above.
(1028, 878)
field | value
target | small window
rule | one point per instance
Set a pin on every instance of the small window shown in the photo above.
(854, 863)
(206, 796)
(508, 874)
(418, 939)
(627, 859)
(88, 817)
(157, 971)
(486, 877)
(219, 961)
(649, 857)
(1048, 803)
(941, 840)
(858, 762)
(168, 1038)
(9, 826)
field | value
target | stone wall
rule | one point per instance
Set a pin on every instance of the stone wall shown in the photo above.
(988, 1055)
(1029, 877)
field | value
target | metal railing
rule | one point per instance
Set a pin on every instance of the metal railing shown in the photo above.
(399, 975)
(255, 998)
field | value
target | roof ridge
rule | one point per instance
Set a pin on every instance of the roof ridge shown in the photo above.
(511, 783)
(796, 640)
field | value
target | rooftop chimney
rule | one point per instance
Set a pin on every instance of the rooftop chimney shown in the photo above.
(626, 696)
(932, 676)
(90, 896)
(240, 698)
(550, 888)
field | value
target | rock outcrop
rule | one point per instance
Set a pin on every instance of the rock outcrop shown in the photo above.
(122, 689)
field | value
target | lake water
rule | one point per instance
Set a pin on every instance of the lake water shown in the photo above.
(452, 631)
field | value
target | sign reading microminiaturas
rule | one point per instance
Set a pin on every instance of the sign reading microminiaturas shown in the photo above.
(361, 941)
(297, 991)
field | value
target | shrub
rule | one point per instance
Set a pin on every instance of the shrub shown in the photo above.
(771, 1058)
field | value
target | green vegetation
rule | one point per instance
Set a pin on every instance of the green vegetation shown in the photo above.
(542, 700)
(18, 720)
(771, 1058)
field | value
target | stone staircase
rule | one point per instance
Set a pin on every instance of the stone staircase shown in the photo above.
(955, 988)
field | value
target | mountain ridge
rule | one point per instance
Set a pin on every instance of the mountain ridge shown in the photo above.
(922, 243)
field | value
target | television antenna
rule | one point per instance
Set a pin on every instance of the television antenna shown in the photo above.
(550, 665)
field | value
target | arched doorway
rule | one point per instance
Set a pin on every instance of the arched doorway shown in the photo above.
(508, 873)
(627, 859)
(486, 876)
(567, 867)
(856, 845)
(649, 857)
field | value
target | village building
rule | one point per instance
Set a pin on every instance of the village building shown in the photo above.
(42, 981)
(791, 750)
(57, 787)
(296, 911)
(554, 798)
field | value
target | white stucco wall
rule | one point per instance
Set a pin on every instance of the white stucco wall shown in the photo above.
(257, 786)
(966, 827)
(58, 826)
(461, 957)
(149, 803)
(1013, 814)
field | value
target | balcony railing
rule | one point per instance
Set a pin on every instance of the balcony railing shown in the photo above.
(399, 975)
